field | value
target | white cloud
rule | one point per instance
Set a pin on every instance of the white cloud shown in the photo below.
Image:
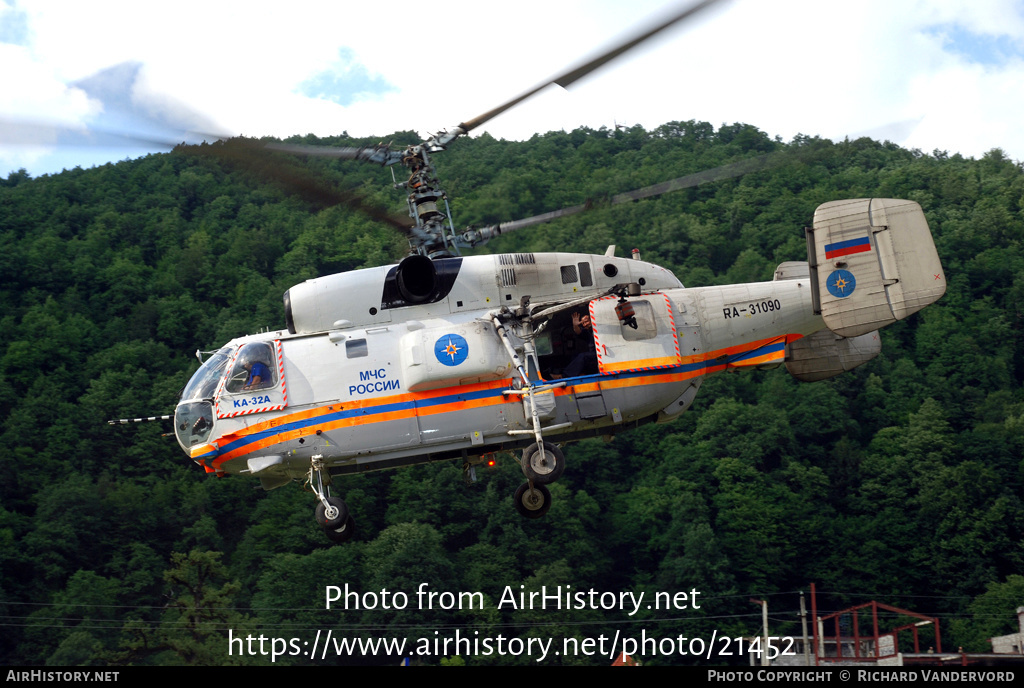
(787, 67)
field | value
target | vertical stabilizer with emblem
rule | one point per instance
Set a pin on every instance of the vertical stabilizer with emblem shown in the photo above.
(873, 262)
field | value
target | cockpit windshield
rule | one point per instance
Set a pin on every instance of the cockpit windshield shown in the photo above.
(204, 383)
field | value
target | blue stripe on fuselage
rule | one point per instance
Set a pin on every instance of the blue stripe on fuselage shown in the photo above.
(481, 394)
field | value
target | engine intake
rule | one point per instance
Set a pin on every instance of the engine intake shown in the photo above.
(417, 279)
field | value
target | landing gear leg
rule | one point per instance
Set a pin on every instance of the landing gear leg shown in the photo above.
(332, 512)
(542, 462)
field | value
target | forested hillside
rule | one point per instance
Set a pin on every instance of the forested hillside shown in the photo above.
(901, 481)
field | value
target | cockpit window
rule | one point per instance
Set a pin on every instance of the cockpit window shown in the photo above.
(254, 369)
(193, 423)
(203, 384)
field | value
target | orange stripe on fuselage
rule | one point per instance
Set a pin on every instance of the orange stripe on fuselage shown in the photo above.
(356, 421)
(650, 376)
(661, 362)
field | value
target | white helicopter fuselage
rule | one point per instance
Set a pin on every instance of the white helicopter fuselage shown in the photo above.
(364, 379)
(459, 358)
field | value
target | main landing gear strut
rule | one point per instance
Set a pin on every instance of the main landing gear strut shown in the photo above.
(332, 512)
(543, 463)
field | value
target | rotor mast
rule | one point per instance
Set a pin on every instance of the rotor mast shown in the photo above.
(431, 237)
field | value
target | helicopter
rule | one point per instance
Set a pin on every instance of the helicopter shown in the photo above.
(448, 357)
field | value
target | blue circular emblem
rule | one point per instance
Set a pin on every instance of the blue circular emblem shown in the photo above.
(451, 349)
(841, 283)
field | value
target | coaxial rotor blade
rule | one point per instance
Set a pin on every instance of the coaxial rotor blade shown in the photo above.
(475, 237)
(378, 154)
(730, 171)
(253, 157)
(14, 132)
(580, 71)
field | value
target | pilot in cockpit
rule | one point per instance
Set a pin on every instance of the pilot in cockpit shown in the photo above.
(259, 375)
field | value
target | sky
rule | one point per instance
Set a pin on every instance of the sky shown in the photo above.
(76, 77)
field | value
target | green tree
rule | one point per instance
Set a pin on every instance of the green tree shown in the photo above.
(195, 628)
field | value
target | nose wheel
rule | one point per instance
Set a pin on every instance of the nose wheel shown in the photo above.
(331, 513)
(532, 501)
(543, 465)
(342, 533)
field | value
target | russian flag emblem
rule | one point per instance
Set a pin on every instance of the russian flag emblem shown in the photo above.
(846, 248)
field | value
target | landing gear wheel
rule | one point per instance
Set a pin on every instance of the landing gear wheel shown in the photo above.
(543, 467)
(331, 521)
(532, 502)
(342, 534)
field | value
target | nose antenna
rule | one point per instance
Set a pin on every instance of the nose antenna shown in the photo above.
(126, 421)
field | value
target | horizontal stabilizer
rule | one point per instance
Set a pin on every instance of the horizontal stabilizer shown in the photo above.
(873, 262)
(824, 354)
(792, 270)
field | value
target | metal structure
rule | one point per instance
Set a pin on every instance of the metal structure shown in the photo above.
(875, 644)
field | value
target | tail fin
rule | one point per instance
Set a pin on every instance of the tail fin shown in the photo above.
(873, 262)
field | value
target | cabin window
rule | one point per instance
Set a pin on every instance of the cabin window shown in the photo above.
(254, 369)
(569, 274)
(646, 324)
(542, 344)
(356, 348)
(586, 279)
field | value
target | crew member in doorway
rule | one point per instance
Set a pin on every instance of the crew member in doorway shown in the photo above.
(585, 362)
